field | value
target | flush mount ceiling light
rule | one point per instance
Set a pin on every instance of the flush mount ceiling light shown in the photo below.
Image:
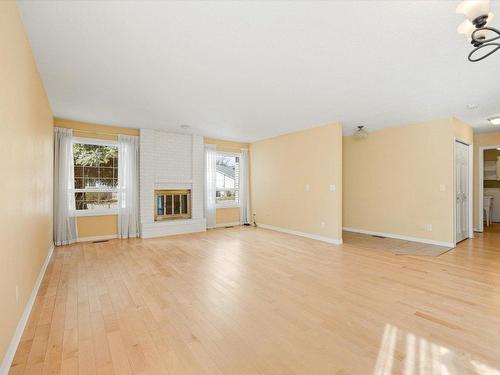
(361, 133)
(473, 106)
(184, 126)
(495, 120)
(476, 28)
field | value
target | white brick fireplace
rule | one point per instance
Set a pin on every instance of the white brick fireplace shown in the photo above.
(170, 161)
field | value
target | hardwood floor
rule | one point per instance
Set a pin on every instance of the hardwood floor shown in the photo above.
(492, 228)
(253, 301)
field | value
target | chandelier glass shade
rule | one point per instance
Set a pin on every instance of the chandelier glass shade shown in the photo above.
(473, 9)
(477, 28)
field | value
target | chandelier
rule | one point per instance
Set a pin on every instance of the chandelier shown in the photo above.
(476, 27)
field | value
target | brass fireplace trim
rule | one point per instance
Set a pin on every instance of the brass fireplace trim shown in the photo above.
(182, 213)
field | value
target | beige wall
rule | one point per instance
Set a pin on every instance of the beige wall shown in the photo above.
(227, 215)
(481, 140)
(462, 131)
(392, 179)
(93, 226)
(280, 169)
(26, 151)
(227, 146)
(88, 130)
(230, 214)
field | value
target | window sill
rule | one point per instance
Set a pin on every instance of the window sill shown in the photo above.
(107, 212)
(227, 205)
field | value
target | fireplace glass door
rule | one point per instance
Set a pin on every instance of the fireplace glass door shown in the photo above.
(172, 204)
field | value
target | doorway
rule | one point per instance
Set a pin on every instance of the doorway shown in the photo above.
(489, 188)
(462, 191)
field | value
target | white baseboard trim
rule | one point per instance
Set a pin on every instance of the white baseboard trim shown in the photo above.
(400, 237)
(231, 224)
(14, 343)
(334, 241)
(97, 238)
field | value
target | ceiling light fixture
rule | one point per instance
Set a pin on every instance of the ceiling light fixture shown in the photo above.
(184, 126)
(495, 120)
(476, 27)
(361, 133)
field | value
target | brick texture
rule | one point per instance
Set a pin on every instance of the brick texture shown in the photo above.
(170, 159)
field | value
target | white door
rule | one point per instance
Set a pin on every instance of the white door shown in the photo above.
(462, 191)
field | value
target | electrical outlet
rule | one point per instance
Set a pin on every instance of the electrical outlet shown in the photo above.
(307, 188)
(333, 188)
(323, 224)
(442, 187)
(428, 227)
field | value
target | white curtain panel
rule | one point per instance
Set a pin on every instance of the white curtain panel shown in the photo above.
(498, 168)
(210, 174)
(65, 231)
(244, 188)
(128, 186)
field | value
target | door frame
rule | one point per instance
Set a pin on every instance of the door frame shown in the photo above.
(480, 173)
(470, 192)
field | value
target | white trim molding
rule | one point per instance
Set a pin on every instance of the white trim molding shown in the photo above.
(333, 241)
(14, 343)
(231, 224)
(96, 212)
(400, 237)
(172, 227)
(227, 204)
(97, 238)
(470, 194)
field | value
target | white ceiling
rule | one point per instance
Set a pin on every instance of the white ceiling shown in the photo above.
(251, 70)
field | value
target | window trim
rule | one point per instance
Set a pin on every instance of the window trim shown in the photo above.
(100, 211)
(227, 204)
(97, 212)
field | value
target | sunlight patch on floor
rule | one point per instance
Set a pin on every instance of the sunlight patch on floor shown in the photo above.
(483, 369)
(405, 353)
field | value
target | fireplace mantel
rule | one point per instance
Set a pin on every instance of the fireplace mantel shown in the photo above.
(173, 185)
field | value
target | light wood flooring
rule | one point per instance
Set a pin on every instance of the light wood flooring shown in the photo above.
(254, 301)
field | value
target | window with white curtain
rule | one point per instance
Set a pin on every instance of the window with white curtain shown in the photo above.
(227, 179)
(96, 176)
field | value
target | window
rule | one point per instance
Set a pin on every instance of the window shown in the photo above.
(96, 176)
(227, 179)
